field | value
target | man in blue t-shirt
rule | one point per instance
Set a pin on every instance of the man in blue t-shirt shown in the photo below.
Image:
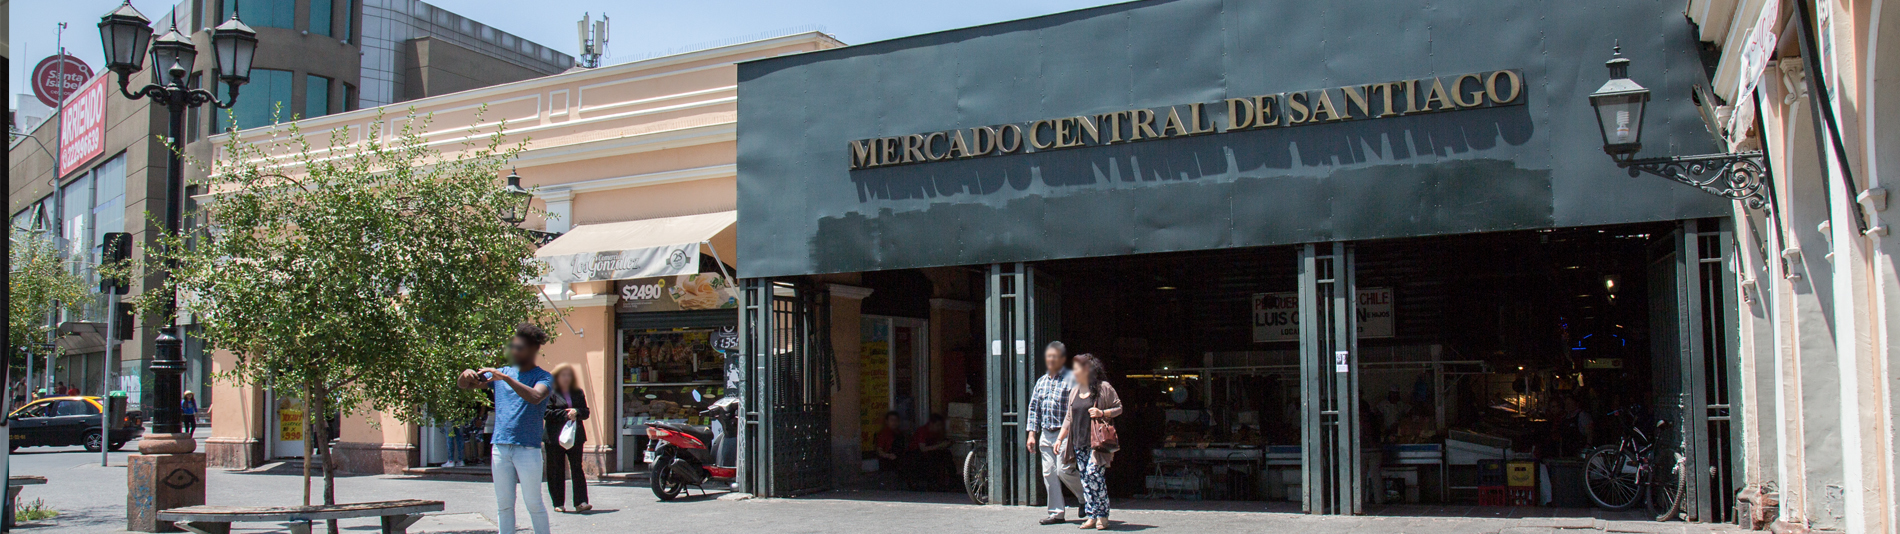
(521, 400)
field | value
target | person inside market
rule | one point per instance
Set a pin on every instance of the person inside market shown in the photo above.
(890, 443)
(932, 466)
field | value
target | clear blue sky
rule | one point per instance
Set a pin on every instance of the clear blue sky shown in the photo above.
(639, 26)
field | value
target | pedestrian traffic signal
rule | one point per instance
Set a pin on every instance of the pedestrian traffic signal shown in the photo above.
(118, 248)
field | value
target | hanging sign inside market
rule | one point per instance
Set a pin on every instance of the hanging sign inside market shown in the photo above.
(1276, 316)
(1277, 110)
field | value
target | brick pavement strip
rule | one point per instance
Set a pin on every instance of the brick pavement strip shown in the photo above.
(91, 499)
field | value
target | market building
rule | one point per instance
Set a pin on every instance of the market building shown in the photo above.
(1335, 255)
(314, 58)
(634, 163)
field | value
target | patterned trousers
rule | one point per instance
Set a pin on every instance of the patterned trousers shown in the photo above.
(1094, 485)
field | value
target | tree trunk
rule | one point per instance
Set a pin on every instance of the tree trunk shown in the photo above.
(307, 445)
(323, 445)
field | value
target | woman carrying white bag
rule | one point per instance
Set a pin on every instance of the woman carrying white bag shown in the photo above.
(567, 407)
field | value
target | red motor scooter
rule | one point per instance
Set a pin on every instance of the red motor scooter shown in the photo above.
(681, 455)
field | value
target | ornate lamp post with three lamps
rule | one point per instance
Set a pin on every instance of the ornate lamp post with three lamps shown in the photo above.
(168, 473)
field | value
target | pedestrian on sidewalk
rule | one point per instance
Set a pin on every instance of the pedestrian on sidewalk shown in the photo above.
(1093, 402)
(521, 401)
(188, 412)
(1048, 403)
(567, 406)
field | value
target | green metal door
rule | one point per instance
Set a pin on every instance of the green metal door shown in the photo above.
(1021, 314)
(1693, 316)
(1332, 480)
(789, 374)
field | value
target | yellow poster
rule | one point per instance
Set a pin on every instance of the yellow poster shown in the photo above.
(289, 419)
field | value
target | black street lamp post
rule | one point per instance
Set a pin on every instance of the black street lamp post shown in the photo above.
(1620, 106)
(126, 34)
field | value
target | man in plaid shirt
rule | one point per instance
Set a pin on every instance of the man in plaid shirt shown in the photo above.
(1048, 403)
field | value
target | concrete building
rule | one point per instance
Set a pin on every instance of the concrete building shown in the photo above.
(631, 157)
(314, 58)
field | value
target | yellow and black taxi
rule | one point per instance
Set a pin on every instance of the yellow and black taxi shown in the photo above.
(68, 421)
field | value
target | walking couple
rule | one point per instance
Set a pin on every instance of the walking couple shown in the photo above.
(531, 405)
(1071, 404)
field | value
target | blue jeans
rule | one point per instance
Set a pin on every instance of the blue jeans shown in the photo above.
(456, 441)
(515, 465)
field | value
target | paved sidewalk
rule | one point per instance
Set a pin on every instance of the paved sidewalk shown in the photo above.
(91, 499)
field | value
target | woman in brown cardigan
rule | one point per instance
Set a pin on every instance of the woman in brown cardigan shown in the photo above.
(1093, 399)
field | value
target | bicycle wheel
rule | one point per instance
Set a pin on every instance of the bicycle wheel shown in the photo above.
(976, 475)
(1669, 492)
(1611, 478)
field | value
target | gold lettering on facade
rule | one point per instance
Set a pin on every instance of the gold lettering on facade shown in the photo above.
(1296, 110)
(1194, 120)
(861, 154)
(887, 151)
(1141, 124)
(1458, 89)
(1015, 135)
(1356, 96)
(1385, 90)
(958, 149)
(1411, 96)
(1438, 95)
(1086, 125)
(985, 138)
(913, 152)
(1113, 123)
(1236, 119)
(1035, 135)
(1325, 105)
(930, 140)
(1491, 87)
(1173, 123)
(1266, 111)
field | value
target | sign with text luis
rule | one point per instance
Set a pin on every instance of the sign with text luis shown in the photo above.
(686, 292)
(1276, 316)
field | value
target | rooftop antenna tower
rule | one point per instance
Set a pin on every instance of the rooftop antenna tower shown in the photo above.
(593, 36)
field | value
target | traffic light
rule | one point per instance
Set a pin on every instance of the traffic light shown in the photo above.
(118, 248)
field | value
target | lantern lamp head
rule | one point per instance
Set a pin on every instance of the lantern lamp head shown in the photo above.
(1619, 108)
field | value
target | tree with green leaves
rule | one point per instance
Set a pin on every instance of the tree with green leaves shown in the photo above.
(361, 276)
(39, 282)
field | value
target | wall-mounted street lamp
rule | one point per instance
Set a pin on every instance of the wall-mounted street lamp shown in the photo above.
(516, 212)
(1620, 107)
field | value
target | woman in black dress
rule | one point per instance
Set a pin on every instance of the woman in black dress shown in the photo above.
(566, 403)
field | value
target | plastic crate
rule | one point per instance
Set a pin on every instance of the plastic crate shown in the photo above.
(1521, 496)
(1490, 473)
(1494, 496)
(1520, 474)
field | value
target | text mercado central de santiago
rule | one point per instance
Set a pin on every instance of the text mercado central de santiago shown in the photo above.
(1368, 101)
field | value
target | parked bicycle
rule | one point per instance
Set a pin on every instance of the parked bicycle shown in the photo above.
(976, 471)
(1616, 477)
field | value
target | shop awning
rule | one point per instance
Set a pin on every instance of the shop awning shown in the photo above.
(665, 246)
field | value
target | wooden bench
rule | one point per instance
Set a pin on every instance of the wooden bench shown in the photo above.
(14, 485)
(396, 515)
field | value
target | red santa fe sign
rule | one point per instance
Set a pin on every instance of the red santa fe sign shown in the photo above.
(82, 126)
(58, 76)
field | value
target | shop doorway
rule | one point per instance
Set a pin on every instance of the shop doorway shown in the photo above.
(1350, 378)
(287, 425)
(896, 373)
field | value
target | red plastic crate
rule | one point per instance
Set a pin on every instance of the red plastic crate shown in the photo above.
(1521, 496)
(1494, 496)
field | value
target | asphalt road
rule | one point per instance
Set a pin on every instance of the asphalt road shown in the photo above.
(91, 499)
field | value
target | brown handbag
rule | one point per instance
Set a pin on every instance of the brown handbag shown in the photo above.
(1102, 435)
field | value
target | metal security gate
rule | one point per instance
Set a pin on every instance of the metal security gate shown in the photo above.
(1329, 382)
(1021, 314)
(1694, 318)
(787, 385)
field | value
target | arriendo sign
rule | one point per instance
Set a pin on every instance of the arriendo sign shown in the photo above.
(1278, 110)
(58, 76)
(82, 126)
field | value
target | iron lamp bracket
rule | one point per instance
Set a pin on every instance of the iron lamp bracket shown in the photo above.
(1736, 176)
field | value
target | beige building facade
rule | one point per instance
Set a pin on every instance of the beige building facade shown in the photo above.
(620, 155)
